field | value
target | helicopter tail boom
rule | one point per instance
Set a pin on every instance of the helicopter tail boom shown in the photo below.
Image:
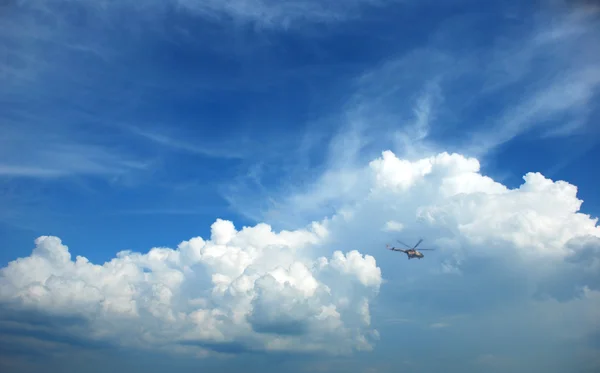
(395, 249)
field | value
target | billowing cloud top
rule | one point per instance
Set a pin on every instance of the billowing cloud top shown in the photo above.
(296, 291)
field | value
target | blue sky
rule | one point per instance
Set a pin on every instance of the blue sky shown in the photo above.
(137, 125)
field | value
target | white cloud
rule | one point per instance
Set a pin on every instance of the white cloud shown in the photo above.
(246, 285)
(297, 291)
(447, 191)
(393, 226)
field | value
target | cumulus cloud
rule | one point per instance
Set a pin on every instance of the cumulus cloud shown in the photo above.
(393, 226)
(310, 289)
(252, 285)
(464, 212)
(448, 191)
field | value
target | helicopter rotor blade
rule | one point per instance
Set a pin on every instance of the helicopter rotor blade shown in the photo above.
(404, 244)
(427, 249)
(418, 243)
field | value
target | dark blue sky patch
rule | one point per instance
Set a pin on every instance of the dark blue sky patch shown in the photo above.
(79, 339)
(12, 348)
(68, 330)
(283, 327)
(224, 347)
(39, 318)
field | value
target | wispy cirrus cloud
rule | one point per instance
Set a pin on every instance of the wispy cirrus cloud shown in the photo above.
(286, 14)
(79, 67)
(539, 77)
(40, 150)
(65, 89)
(557, 68)
(270, 14)
(47, 117)
(567, 97)
(239, 149)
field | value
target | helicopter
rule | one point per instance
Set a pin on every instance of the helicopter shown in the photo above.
(410, 252)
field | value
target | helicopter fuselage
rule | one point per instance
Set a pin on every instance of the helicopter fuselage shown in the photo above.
(413, 254)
